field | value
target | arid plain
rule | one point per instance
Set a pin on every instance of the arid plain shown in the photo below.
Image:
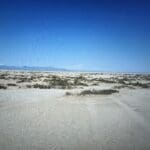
(74, 111)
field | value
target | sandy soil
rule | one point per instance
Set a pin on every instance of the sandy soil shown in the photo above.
(48, 119)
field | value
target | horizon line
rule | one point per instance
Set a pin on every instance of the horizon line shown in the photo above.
(64, 69)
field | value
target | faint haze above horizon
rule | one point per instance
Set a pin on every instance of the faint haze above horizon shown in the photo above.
(104, 35)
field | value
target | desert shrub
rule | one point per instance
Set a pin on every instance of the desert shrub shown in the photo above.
(47, 80)
(142, 85)
(24, 79)
(123, 86)
(58, 82)
(121, 81)
(29, 86)
(105, 80)
(20, 81)
(95, 84)
(98, 92)
(2, 76)
(126, 78)
(68, 93)
(86, 92)
(119, 86)
(41, 86)
(3, 86)
(146, 77)
(12, 84)
(81, 84)
(78, 81)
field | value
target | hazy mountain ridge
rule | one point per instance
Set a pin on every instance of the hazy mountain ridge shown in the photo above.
(33, 68)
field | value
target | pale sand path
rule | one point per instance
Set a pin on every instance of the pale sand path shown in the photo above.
(46, 119)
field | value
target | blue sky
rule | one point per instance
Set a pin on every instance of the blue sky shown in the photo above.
(107, 35)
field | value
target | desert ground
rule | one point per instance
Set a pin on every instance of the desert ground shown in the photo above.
(74, 111)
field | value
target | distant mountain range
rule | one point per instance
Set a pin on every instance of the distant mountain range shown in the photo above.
(33, 68)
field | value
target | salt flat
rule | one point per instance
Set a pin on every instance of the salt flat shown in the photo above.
(34, 118)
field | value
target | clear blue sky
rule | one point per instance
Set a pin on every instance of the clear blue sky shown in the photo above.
(107, 35)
